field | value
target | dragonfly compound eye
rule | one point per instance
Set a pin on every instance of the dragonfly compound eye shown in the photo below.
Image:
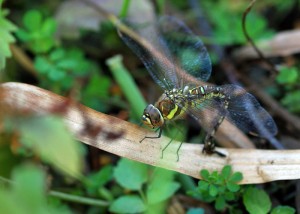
(152, 117)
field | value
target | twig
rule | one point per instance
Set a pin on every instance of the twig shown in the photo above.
(283, 44)
(246, 12)
(23, 59)
(257, 166)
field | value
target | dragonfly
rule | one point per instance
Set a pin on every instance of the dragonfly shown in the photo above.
(179, 63)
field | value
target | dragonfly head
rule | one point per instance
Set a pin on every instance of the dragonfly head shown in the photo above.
(152, 117)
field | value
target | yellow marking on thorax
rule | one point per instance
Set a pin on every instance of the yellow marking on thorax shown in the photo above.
(172, 113)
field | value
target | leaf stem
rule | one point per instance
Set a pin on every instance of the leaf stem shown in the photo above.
(142, 195)
(124, 8)
(79, 199)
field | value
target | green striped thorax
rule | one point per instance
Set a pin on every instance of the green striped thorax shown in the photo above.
(168, 107)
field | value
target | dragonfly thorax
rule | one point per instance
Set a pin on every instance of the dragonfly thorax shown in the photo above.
(170, 102)
(166, 108)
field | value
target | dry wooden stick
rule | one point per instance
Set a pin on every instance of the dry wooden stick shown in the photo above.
(257, 166)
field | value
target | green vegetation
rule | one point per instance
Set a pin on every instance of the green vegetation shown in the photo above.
(7, 27)
(44, 170)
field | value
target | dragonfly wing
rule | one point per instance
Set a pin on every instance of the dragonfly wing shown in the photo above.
(147, 43)
(247, 114)
(187, 49)
(244, 111)
(206, 112)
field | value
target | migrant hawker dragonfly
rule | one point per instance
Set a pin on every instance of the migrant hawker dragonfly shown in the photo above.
(175, 58)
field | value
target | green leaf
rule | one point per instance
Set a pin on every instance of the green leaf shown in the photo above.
(42, 65)
(229, 196)
(236, 177)
(23, 35)
(215, 177)
(161, 186)
(56, 74)
(57, 54)
(6, 29)
(48, 27)
(226, 172)
(213, 190)
(49, 137)
(30, 180)
(256, 201)
(128, 204)
(204, 174)
(287, 75)
(96, 180)
(157, 194)
(7, 25)
(38, 34)
(203, 185)
(232, 186)
(283, 210)
(28, 191)
(292, 101)
(225, 16)
(98, 86)
(4, 49)
(32, 20)
(8, 203)
(41, 44)
(130, 174)
(6, 36)
(220, 203)
(195, 211)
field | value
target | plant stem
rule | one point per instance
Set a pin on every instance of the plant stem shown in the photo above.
(124, 8)
(127, 84)
(79, 199)
(142, 196)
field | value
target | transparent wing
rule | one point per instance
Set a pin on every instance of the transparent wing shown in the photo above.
(186, 48)
(170, 52)
(153, 51)
(243, 111)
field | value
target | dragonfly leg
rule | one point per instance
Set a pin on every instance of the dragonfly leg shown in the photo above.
(162, 151)
(177, 151)
(209, 145)
(158, 136)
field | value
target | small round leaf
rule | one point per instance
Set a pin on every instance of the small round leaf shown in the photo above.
(213, 190)
(128, 204)
(204, 174)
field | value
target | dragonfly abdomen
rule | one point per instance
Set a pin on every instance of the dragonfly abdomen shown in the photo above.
(207, 92)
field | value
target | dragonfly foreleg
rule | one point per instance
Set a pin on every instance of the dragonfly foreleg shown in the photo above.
(158, 136)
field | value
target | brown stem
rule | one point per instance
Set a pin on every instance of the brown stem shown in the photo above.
(257, 166)
(248, 37)
(23, 59)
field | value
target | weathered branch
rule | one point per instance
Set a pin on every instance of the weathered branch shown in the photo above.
(257, 166)
(284, 43)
